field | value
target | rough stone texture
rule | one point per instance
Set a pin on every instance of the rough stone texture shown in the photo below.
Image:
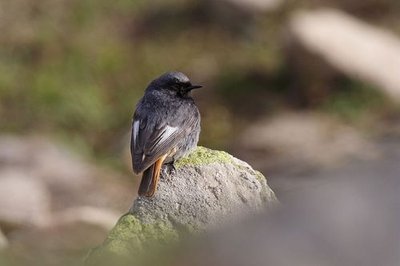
(206, 189)
(203, 194)
(352, 46)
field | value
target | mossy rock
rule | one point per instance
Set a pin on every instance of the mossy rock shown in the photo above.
(130, 240)
(206, 189)
(203, 156)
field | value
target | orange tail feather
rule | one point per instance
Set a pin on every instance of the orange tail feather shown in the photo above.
(150, 177)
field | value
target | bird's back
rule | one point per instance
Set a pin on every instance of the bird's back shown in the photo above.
(162, 122)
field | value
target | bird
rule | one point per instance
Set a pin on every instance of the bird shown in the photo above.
(165, 127)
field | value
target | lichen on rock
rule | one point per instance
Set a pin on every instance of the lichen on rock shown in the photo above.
(207, 189)
(131, 234)
(203, 156)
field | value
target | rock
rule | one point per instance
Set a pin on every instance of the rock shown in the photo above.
(350, 218)
(76, 229)
(24, 201)
(64, 173)
(54, 163)
(60, 168)
(319, 142)
(3, 241)
(207, 189)
(13, 151)
(98, 217)
(353, 47)
(200, 193)
(256, 5)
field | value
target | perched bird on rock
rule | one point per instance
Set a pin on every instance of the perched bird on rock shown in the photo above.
(165, 127)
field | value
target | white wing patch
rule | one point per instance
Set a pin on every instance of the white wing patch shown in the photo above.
(135, 130)
(168, 132)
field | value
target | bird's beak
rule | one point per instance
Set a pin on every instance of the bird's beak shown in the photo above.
(192, 87)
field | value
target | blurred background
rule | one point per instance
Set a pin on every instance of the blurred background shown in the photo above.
(298, 89)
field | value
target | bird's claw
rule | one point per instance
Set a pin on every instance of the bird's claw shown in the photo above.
(169, 169)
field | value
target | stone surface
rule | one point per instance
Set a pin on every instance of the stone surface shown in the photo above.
(207, 189)
(352, 46)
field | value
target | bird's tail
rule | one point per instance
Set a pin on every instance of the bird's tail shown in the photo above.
(150, 177)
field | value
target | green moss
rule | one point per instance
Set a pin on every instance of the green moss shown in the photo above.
(131, 238)
(127, 230)
(259, 175)
(203, 156)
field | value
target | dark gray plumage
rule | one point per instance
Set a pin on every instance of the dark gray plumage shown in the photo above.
(165, 127)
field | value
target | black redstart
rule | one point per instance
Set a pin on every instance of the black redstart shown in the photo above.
(165, 127)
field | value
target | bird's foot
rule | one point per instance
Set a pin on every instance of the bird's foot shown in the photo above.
(169, 169)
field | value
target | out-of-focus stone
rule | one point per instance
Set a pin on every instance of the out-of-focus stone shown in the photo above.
(256, 5)
(294, 142)
(24, 200)
(352, 46)
(98, 217)
(3, 241)
(347, 217)
(59, 167)
(65, 174)
(12, 151)
(56, 165)
(72, 229)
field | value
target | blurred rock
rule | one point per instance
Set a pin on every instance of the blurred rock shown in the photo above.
(71, 179)
(3, 241)
(13, 151)
(207, 189)
(365, 8)
(53, 163)
(294, 142)
(71, 230)
(24, 200)
(353, 47)
(256, 5)
(98, 217)
(54, 203)
(348, 218)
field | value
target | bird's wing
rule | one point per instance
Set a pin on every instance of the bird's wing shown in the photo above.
(152, 139)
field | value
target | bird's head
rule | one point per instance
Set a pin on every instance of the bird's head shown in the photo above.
(175, 83)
